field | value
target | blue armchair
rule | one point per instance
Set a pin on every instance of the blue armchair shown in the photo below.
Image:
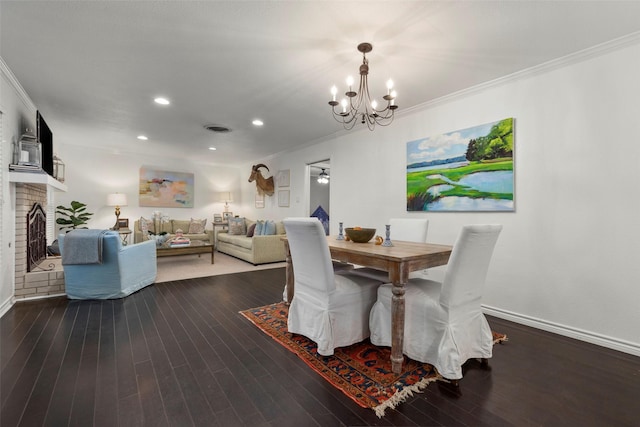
(124, 270)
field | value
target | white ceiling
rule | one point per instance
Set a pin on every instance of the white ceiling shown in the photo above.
(94, 67)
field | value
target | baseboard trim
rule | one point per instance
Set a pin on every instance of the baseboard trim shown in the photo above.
(567, 331)
(5, 306)
(41, 297)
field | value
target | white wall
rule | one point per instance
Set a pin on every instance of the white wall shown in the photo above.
(18, 113)
(567, 259)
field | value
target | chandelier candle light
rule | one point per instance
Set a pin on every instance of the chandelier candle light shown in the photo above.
(117, 200)
(360, 106)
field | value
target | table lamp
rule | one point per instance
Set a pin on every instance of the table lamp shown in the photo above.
(226, 197)
(117, 200)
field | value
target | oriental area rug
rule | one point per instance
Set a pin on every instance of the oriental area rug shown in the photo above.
(361, 371)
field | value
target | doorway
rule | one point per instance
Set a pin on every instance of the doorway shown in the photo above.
(320, 191)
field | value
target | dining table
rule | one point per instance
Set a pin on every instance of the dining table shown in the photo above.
(398, 260)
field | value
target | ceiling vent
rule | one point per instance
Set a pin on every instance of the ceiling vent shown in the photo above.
(217, 128)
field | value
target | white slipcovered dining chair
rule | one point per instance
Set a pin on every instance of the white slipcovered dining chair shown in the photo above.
(404, 229)
(444, 324)
(330, 309)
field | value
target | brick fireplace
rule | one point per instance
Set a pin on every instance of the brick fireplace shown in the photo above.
(38, 282)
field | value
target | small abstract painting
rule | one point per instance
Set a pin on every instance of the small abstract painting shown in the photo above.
(283, 177)
(466, 170)
(166, 189)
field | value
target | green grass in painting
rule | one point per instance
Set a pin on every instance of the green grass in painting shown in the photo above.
(462, 192)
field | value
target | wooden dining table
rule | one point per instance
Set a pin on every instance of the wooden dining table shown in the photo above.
(398, 260)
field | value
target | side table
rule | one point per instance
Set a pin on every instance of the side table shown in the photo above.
(124, 235)
(224, 225)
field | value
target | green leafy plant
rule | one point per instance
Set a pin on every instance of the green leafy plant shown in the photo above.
(73, 217)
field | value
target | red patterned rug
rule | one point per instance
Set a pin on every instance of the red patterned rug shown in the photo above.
(361, 371)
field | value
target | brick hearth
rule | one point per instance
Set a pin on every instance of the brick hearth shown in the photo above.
(36, 283)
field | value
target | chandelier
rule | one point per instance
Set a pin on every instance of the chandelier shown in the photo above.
(358, 106)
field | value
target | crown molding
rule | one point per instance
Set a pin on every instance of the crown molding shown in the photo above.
(13, 82)
(545, 67)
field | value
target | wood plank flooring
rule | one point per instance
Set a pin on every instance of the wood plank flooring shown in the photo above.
(179, 354)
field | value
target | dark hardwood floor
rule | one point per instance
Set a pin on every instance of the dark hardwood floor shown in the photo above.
(179, 354)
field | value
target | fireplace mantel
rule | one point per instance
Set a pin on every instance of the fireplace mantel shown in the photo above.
(37, 179)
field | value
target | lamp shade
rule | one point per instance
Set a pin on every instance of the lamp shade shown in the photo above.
(117, 199)
(225, 196)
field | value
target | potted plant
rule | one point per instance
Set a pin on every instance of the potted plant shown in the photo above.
(74, 216)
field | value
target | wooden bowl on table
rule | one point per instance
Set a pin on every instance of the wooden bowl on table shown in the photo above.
(359, 234)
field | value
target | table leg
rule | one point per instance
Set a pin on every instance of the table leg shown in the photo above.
(397, 325)
(289, 273)
(397, 318)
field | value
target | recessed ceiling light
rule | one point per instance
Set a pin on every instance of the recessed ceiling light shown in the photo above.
(257, 122)
(212, 148)
(142, 137)
(162, 101)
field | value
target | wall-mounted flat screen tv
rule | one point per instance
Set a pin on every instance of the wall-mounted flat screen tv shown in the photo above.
(45, 136)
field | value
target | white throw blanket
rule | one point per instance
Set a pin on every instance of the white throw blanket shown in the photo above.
(83, 246)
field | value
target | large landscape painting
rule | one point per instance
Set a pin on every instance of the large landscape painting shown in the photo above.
(466, 170)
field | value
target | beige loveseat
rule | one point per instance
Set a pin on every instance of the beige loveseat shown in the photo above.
(256, 249)
(170, 227)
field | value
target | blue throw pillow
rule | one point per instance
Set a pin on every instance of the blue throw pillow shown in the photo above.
(269, 228)
(259, 228)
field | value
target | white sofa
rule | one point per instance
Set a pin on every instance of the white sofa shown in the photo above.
(256, 249)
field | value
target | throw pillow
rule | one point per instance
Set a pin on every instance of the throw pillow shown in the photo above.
(196, 226)
(259, 227)
(237, 227)
(269, 228)
(251, 230)
(174, 224)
